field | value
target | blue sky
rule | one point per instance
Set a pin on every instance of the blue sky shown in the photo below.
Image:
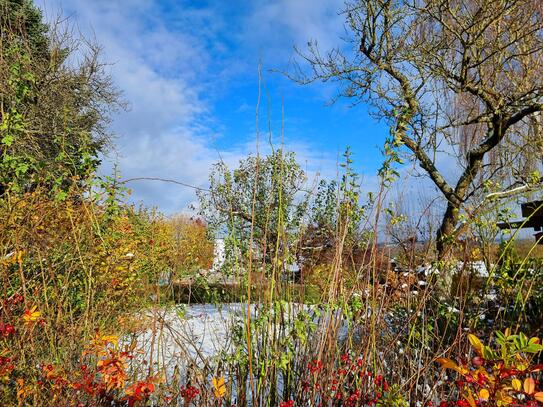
(189, 71)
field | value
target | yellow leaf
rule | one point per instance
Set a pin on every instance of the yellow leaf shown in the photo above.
(20, 257)
(539, 396)
(31, 315)
(471, 400)
(517, 384)
(450, 364)
(529, 385)
(446, 363)
(21, 389)
(219, 388)
(476, 343)
(502, 398)
(484, 394)
(111, 339)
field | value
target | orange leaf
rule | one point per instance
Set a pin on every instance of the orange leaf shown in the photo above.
(21, 389)
(446, 363)
(219, 387)
(471, 400)
(529, 385)
(539, 396)
(484, 394)
(31, 315)
(113, 339)
(450, 364)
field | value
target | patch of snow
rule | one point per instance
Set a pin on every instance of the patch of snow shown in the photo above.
(478, 268)
(427, 270)
(198, 334)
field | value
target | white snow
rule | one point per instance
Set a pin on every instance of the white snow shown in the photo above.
(194, 334)
(185, 335)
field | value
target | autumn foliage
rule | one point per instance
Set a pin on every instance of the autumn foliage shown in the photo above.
(504, 376)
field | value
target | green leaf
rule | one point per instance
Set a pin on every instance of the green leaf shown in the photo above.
(533, 348)
(488, 353)
(61, 195)
(22, 168)
(8, 140)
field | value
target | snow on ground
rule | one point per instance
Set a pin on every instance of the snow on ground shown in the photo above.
(195, 334)
(187, 335)
(478, 268)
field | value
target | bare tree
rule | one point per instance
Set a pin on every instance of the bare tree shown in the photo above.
(450, 77)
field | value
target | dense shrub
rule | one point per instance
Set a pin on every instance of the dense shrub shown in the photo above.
(69, 268)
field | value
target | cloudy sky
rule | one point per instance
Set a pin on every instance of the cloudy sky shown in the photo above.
(189, 72)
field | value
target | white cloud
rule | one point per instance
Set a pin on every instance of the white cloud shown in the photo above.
(168, 71)
(280, 24)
